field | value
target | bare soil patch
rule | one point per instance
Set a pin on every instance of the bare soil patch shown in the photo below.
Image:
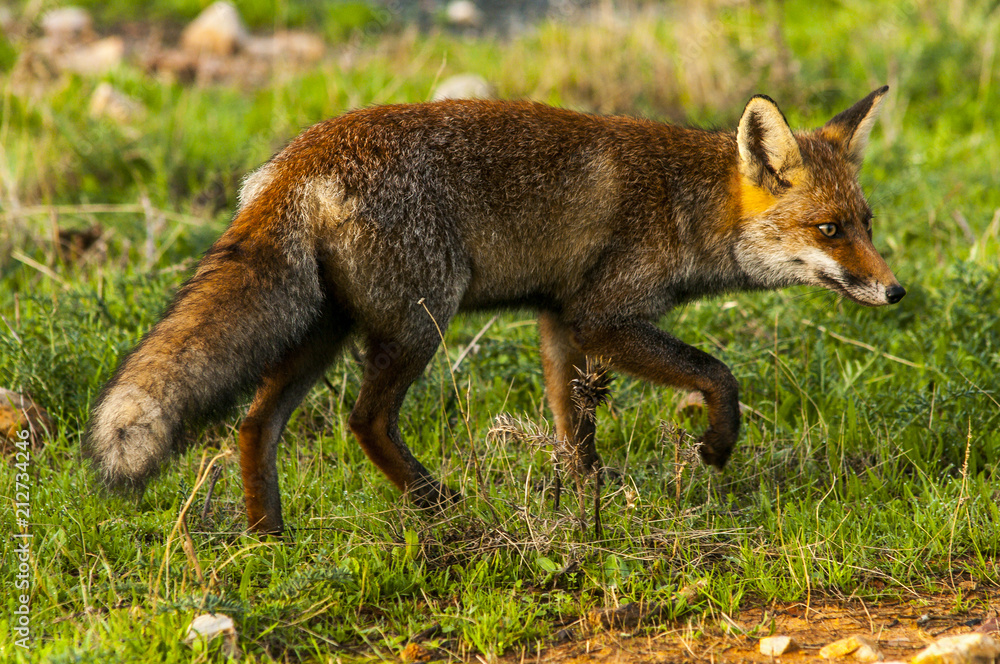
(900, 628)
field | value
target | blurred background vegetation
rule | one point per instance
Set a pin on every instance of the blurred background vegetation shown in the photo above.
(867, 467)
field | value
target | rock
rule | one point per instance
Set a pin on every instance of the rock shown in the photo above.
(209, 626)
(693, 404)
(6, 20)
(851, 644)
(67, 25)
(973, 648)
(463, 86)
(19, 413)
(94, 59)
(302, 46)
(218, 30)
(414, 652)
(989, 626)
(564, 635)
(295, 45)
(775, 646)
(690, 592)
(868, 652)
(174, 65)
(216, 69)
(107, 102)
(463, 14)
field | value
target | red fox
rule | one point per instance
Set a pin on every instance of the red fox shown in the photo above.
(387, 221)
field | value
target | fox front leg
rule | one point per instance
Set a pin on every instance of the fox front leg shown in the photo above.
(638, 347)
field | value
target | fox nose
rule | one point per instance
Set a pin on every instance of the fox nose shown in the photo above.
(894, 293)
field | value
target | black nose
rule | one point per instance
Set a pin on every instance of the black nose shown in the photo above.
(894, 293)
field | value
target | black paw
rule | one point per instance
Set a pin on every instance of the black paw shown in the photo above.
(432, 495)
(715, 449)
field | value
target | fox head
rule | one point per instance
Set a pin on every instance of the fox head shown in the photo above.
(804, 218)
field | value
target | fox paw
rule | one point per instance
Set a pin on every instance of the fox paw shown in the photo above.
(431, 495)
(715, 449)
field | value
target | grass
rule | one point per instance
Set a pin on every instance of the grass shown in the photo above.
(867, 468)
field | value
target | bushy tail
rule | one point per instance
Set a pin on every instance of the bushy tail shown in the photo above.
(253, 297)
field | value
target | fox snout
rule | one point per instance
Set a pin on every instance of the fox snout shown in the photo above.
(872, 291)
(878, 286)
(865, 288)
(894, 293)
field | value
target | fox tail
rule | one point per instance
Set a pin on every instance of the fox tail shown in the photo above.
(253, 297)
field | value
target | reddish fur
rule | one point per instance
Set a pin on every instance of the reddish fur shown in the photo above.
(388, 221)
(563, 362)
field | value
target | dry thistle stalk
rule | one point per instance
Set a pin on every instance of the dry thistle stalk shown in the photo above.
(579, 456)
(576, 457)
(524, 431)
(591, 389)
(685, 445)
(536, 438)
(685, 448)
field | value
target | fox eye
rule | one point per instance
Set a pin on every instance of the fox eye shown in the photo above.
(829, 230)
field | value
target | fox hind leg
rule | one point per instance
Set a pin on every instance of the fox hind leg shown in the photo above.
(282, 389)
(391, 366)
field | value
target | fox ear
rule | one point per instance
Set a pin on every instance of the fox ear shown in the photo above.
(851, 128)
(768, 150)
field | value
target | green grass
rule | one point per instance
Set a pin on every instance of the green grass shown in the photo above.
(868, 467)
(338, 19)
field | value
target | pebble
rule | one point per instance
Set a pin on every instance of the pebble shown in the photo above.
(463, 14)
(775, 646)
(869, 652)
(972, 648)
(464, 86)
(210, 626)
(218, 30)
(67, 24)
(94, 59)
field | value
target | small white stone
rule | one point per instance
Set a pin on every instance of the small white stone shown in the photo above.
(691, 403)
(868, 652)
(94, 59)
(67, 24)
(464, 14)
(6, 19)
(463, 86)
(294, 45)
(218, 30)
(209, 626)
(973, 648)
(775, 646)
(845, 647)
